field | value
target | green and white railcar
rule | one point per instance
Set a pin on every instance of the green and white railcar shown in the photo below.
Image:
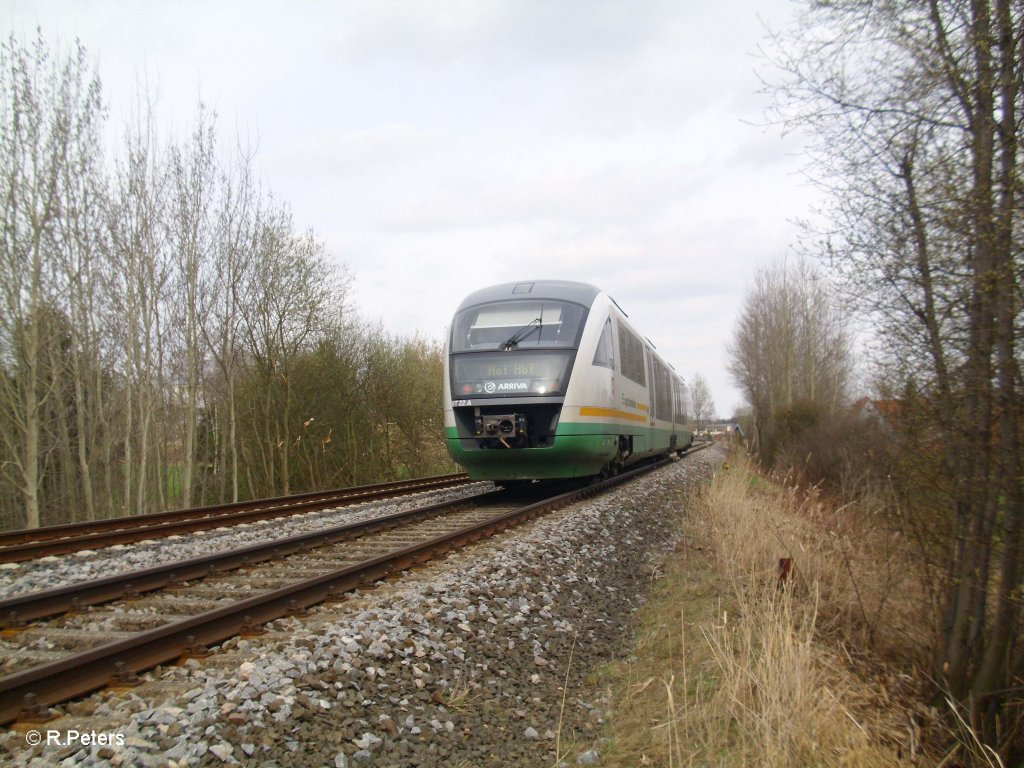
(548, 379)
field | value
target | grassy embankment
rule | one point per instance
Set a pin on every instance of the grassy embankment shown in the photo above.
(732, 668)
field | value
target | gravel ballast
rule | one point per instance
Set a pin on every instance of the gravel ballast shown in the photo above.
(477, 660)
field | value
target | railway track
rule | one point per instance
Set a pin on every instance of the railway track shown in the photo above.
(32, 543)
(176, 611)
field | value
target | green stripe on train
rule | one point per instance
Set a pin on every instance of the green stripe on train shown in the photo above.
(579, 450)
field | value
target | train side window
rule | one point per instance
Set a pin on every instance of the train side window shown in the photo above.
(631, 353)
(681, 402)
(662, 391)
(605, 354)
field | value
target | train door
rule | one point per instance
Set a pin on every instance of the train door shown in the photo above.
(651, 400)
(675, 410)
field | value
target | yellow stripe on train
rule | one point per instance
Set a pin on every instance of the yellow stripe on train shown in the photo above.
(611, 413)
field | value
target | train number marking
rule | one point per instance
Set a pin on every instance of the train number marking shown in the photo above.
(461, 403)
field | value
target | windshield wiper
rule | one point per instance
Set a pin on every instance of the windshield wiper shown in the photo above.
(522, 333)
(525, 331)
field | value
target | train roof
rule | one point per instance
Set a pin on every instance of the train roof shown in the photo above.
(563, 290)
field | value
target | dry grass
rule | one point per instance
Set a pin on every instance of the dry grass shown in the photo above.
(732, 669)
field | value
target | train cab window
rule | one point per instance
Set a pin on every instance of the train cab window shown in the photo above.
(605, 354)
(513, 325)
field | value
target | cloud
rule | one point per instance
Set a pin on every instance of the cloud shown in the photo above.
(440, 147)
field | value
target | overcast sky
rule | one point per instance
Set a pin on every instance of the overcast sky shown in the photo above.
(439, 147)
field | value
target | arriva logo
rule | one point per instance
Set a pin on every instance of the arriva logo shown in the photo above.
(506, 386)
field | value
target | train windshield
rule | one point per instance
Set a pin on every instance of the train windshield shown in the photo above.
(517, 325)
(510, 348)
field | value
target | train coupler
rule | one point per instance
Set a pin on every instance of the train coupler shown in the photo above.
(507, 429)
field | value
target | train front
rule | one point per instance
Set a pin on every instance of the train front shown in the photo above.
(510, 359)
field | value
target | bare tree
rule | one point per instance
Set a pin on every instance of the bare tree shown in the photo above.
(235, 249)
(80, 262)
(141, 296)
(165, 333)
(193, 185)
(917, 111)
(47, 133)
(703, 403)
(790, 344)
(289, 293)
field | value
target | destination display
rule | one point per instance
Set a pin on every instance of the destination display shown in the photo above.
(541, 373)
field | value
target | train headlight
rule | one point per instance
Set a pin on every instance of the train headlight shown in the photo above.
(543, 386)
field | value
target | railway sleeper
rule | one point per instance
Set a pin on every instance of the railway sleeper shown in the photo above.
(235, 595)
(70, 639)
(27, 657)
(120, 621)
(257, 582)
(177, 607)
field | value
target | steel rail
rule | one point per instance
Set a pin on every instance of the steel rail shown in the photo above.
(32, 606)
(31, 543)
(32, 690)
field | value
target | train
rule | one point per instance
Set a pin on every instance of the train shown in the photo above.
(548, 380)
